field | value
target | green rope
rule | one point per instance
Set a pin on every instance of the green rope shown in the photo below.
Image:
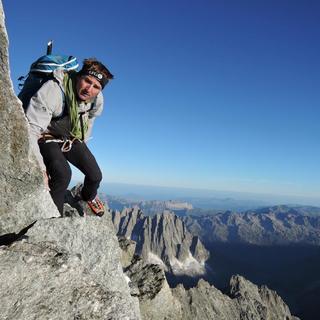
(78, 129)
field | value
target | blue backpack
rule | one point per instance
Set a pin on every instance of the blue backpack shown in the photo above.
(41, 71)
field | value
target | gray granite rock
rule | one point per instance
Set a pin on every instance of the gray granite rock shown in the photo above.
(149, 284)
(23, 196)
(245, 301)
(128, 222)
(257, 302)
(128, 248)
(65, 268)
(204, 302)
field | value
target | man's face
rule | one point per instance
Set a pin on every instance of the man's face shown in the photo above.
(87, 88)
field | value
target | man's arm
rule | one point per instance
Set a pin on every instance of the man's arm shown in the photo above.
(95, 112)
(39, 113)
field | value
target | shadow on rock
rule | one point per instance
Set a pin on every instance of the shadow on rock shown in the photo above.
(9, 238)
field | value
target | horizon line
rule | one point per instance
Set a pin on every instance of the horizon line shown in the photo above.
(215, 190)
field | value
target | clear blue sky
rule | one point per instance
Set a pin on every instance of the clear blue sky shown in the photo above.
(212, 94)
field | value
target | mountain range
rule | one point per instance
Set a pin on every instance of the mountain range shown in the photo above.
(271, 245)
(276, 225)
(280, 224)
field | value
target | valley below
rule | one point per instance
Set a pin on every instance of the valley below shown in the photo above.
(291, 270)
(277, 247)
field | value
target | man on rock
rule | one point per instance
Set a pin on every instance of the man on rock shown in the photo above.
(61, 115)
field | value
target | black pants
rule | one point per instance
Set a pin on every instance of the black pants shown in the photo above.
(59, 170)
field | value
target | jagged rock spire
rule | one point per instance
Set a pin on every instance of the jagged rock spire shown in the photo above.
(23, 196)
(162, 239)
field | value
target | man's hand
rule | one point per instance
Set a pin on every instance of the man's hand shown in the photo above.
(46, 180)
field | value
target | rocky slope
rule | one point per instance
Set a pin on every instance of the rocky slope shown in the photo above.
(243, 301)
(268, 226)
(65, 268)
(162, 239)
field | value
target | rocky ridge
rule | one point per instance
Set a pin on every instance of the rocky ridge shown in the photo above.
(162, 239)
(243, 301)
(268, 226)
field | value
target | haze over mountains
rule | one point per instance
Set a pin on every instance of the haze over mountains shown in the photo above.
(149, 207)
(205, 199)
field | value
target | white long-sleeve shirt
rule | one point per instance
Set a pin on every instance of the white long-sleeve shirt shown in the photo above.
(46, 113)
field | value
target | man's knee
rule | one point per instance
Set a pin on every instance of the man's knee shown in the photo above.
(95, 176)
(60, 173)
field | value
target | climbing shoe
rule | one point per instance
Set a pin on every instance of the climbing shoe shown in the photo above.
(96, 206)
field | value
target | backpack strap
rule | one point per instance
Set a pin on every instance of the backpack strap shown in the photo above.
(64, 111)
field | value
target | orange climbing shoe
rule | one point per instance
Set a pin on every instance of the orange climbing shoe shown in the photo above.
(97, 207)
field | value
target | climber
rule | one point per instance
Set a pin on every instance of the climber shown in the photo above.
(61, 115)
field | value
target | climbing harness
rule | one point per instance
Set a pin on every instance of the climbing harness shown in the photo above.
(66, 143)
